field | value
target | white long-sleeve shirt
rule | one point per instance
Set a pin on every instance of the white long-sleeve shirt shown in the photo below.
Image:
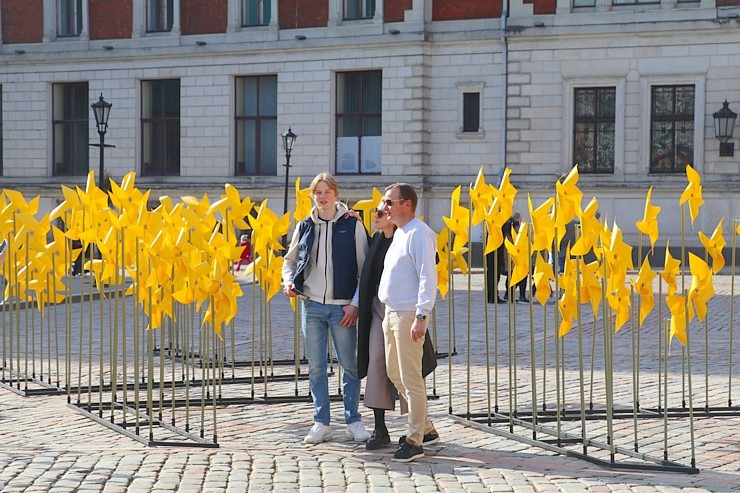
(409, 280)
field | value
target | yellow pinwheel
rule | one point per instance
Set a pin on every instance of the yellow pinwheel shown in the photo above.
(692, 192)
(590, 229)
(543, 227)
(714, 246)
(591, 284)
(702, 288)
(677, 306)
(519, 254)
(619, 300)
(481, 196)
(670, 270)
(644, 288)
(568, 200)
(649, 223)
(443, 262)
(503, 203)
(458, 222)
(233, 210)
(568, 306)
(541, 278)
(303, 202)
(367, 207)
(619, 256)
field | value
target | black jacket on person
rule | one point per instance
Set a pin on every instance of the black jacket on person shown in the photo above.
(368, 291)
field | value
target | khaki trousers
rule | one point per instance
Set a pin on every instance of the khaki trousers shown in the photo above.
(403, 362)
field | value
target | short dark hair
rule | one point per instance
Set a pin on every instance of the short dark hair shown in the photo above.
(406, 192)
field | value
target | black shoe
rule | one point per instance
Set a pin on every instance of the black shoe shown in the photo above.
(429, 438)
(408, 452)
(522, 301)
(378, 440)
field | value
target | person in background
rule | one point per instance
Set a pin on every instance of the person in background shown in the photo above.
(323, 266)
(408, 288)
(246, 255)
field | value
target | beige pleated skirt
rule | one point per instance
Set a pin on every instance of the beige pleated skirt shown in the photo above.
(380, 393)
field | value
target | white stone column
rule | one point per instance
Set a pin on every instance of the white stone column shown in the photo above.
(335, 12)
(50, 20)
(233, 16)
(175, 17)
(85, 27)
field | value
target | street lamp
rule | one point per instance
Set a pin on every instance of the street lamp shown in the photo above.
(724, 123)
(101, 110)
(288, 143)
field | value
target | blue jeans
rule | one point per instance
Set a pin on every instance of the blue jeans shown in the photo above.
(318, 320)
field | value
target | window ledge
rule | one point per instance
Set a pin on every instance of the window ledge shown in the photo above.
(480, 135)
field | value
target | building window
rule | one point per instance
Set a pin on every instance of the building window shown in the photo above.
(584, 3)
(633, 2)
(160, 127)
(671, 128)
(159, 15)
(593, 129)
(359, 141)
(359, 9)
(70, 18)
(71, 127)
(256, 125)
(255, 12)
(471, 112)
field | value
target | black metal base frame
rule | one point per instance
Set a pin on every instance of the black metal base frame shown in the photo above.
(143, 420)
(483, 423)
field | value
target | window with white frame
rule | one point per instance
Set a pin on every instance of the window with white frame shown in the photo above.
(160, 127)
(70, 122)
(594, 112)
(359, 9)
(359, 122)
(256, 125)
(671, 127)
(160, 15)
(69, 18)
(255, 12)
(470, 109)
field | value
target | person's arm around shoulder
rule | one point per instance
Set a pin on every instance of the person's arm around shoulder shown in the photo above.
(290, 263)
(352, 310)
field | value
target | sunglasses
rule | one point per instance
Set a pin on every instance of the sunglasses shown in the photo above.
(380, 213)
(389, 202)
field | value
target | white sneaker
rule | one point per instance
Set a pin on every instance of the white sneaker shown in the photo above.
(318, 433)
(358, 432)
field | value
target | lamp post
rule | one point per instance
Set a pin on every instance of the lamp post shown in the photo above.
(288, 143)
(724, 123)
(101, 110)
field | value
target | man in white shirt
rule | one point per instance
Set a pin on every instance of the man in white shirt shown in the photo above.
(408, 287)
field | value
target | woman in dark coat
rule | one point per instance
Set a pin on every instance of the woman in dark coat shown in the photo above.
(379, 391)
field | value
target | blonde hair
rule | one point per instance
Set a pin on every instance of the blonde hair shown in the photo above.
(326, 178)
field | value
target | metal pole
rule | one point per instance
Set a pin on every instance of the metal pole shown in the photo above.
(285, 197)
(101, 178)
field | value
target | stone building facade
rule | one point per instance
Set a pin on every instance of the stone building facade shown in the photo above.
(378, 91)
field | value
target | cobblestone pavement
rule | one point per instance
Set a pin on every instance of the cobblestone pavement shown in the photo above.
(47, 445)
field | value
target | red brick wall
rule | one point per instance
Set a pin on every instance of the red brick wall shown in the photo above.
(110, 19)
(546, 6)
(449, 10)
(294, 14)
(393, 9)
(23, 21)
(203, 16)
(728, 3)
